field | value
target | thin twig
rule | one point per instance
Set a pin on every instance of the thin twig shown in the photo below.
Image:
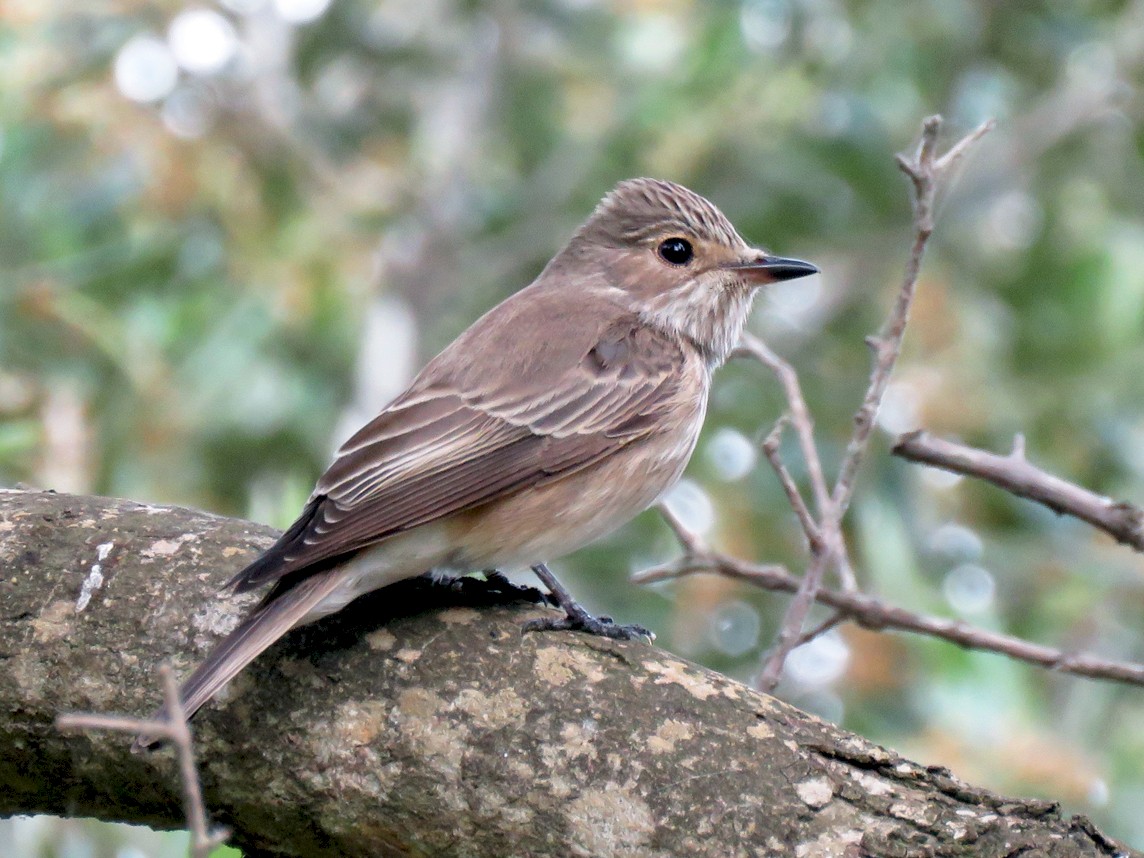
(835, 619)
(790, 630)
(801, 420)
(1121, 520)
(873, 613)
(925, 171)
(770, 447)
(175, 729)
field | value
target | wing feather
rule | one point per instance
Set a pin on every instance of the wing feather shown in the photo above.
(450, 444)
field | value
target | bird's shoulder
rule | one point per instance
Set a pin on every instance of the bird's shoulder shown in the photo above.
(537, 338)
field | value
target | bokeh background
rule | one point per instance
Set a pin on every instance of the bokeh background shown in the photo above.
(230, 231)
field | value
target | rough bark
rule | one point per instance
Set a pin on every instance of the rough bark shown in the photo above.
(404, 729)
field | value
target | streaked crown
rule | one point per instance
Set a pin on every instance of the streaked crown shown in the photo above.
(640, 209)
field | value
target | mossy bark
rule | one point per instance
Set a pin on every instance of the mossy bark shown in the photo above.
(411, 727)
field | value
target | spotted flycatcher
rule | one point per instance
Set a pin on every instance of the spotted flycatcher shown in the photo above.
(560, 414)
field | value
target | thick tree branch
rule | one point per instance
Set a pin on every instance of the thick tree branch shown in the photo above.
(1119, 519)
(438, 732)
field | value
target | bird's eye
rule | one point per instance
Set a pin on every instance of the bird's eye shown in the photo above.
(677, 251)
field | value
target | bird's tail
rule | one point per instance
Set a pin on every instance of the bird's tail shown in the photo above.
(268, 622)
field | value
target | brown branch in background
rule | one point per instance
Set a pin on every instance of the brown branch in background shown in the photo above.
(770, 447)
(926, 171)
(175, 729)
(1013, 473)
(872, 613)
(824, 535)
(803, 423)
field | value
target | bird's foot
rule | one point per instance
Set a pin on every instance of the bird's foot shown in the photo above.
(577, 619)
(581, 621)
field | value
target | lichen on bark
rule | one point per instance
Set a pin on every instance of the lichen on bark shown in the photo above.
(411, 726)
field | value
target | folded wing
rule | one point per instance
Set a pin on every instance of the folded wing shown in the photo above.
(454, 442)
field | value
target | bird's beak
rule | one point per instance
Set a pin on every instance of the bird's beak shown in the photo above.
(768, 269)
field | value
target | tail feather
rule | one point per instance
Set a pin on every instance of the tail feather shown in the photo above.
(268, 622)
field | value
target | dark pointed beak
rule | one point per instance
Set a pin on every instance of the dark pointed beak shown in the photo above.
(768, 269)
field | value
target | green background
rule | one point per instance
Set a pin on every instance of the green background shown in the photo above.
(202, 294)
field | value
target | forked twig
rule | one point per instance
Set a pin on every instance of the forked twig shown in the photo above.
(925, 171)
(175, 729)
(873, 613)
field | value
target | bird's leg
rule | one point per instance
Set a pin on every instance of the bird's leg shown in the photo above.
(576, 618)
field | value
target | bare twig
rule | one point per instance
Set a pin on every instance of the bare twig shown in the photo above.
(803, 423)
(873, 613)
(824, 537)
(770, 447)
(1121, 520)
(925, 170)
(174, 728)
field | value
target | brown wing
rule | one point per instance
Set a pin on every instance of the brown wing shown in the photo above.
(460, 438)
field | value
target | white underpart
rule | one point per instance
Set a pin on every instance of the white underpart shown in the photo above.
(712, 315)
(403, 556)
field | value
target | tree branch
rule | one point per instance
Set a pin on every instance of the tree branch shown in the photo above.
(442, 731)
(1119, 519)
(828, 546)
(877, 615)
(174, 728)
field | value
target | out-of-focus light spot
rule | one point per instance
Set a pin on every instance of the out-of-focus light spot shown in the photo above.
(1098, 793)
(983, 93)
(765, 24)
(899, 411)
(202, 40)
(1083, 209)
(1012, 222)
(300, 11)
(795, 303)
(734, 628)
(818, 662)
(145, 70)
(243, 7)
(201, 253)
(823, 703)
(731, 454)
(188, 113)
(936, 478)
(955, 543)
(342, 85)
(652, 43)
(830, 37)
(834, 115)
(1092, 65)
(969, 588)
(130, 852)
(691, 506)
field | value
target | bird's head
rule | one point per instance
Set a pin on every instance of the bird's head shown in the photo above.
(678, 260)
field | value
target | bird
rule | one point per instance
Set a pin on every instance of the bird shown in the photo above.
(560, 414)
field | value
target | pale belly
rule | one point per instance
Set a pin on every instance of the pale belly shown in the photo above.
(547, 522)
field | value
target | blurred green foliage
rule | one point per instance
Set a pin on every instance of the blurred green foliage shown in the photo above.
(203, 289)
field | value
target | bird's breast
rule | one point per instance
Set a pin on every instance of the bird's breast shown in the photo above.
(555, 518)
